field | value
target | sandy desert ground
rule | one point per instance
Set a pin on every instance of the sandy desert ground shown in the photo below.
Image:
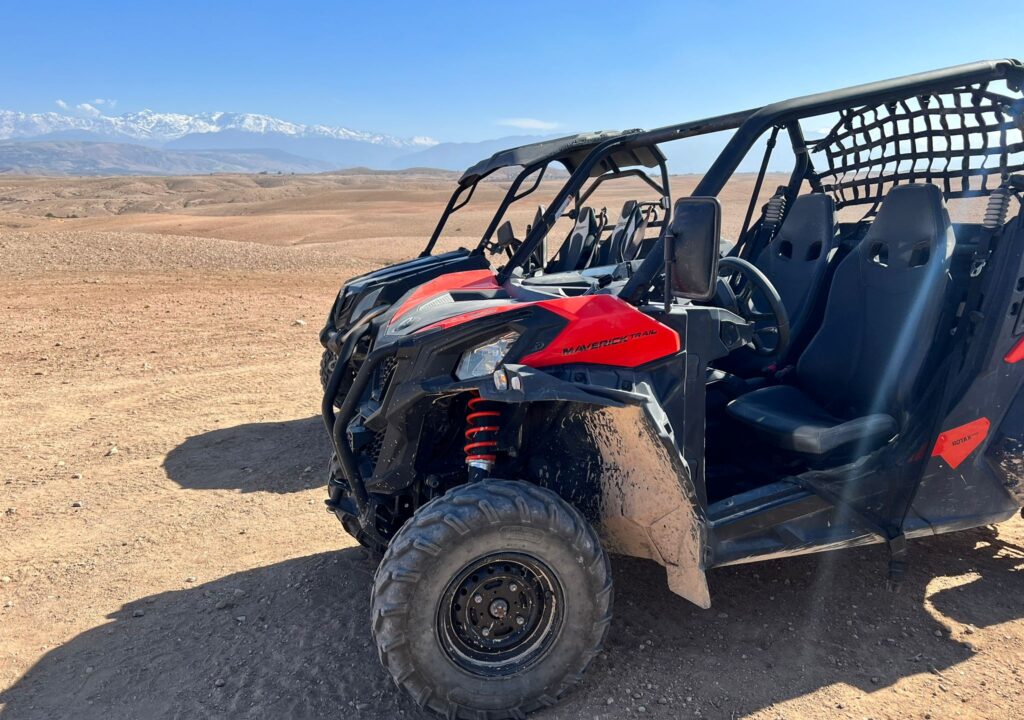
(164, 551)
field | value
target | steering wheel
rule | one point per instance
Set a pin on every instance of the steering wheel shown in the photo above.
(743, 285)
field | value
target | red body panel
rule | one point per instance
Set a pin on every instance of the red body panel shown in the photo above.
(1016, 353)
(604, 330)
(466, 280)
(955, 444)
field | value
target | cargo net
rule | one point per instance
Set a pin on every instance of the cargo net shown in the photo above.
(966, 141)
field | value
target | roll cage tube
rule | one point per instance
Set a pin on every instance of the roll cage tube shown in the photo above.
(537, 169)
(582, 173)
(616, 174)
(823, 102)
(803, 169)
(452, 206)
(511, 196)
(758, 121)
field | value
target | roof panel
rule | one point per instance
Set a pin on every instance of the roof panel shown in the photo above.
(570, 150)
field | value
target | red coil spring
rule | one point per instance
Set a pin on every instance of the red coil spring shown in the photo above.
(481, 429)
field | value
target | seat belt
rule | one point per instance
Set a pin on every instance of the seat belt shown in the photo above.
(771, 220)
(769, 146)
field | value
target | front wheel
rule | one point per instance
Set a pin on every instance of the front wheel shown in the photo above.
(491, 601)
(327, 362)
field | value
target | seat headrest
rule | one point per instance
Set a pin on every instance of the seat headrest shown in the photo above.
(505, 233)
(912, 227)
(809, 230)
(622, 221)
(627, 208)
(585, 220)
(538, 217)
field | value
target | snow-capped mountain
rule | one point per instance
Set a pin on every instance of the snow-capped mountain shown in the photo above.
(155, 142)
(147, 126)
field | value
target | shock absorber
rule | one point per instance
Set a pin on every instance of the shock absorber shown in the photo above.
(995, 217)
(482, 425)
(774, 209)
(997, 209)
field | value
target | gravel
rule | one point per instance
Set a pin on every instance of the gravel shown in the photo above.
(24, 254)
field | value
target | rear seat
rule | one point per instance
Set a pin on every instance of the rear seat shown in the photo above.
(584, 248)
(624, 241)
(580, 242)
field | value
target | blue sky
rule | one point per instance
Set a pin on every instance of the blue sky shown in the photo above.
(470, 71)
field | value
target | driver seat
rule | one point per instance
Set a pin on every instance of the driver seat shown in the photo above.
(796, 262)
(852, 385)
(582, 238)
(623, 235)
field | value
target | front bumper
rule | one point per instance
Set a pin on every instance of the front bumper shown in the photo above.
(396, 399)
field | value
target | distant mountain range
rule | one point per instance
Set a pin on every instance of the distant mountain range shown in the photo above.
(70, 157)
(152, 143)
(148, 142)
(154, 127)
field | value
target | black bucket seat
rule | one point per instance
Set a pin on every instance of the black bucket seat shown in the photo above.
(852, 385)
(580, 241)
(796, 262)
(623, 243)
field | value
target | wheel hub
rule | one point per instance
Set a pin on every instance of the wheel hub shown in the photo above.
(499, 609)
(499, 613)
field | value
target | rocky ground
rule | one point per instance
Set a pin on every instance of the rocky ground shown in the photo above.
(164, 551)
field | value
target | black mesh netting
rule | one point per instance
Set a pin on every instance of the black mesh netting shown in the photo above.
(965, 140)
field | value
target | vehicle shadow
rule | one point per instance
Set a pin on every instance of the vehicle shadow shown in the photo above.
(264, 457)
(1002, 591)
(293, 640)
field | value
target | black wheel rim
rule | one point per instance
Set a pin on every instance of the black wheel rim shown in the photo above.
(500, 614)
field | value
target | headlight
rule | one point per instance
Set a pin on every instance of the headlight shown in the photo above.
(483, 360)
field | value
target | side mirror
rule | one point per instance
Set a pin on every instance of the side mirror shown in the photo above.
(691, 249)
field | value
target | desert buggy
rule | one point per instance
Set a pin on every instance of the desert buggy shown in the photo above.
(848, 373)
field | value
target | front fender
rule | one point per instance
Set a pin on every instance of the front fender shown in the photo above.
(621, 467)
(611, 453)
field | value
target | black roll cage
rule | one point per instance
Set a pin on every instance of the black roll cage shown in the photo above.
(469, 182)
(750, 125)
